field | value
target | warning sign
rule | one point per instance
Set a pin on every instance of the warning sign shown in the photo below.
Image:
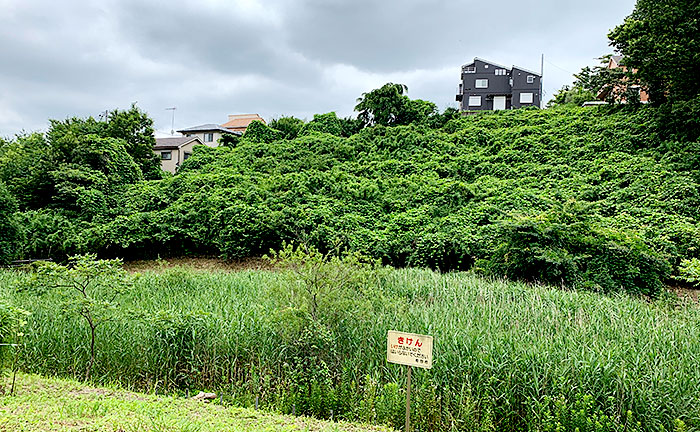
(409, 349)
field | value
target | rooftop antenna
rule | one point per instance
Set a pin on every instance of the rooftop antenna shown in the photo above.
(172, 124)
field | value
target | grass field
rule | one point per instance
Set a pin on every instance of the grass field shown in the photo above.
(42, 405)
(508, 356)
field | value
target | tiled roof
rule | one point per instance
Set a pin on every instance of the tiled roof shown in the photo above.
(241, 120)
(174, 142)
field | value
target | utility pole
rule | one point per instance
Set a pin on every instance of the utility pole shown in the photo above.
(541, 79)
(172, 124)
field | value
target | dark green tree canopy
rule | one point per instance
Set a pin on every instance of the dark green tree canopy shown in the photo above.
(326, 123)
(383, 106)
(288, 125)
(660, 39)
(136, 129)
(389, 106)
(258, 131)
(9, 227)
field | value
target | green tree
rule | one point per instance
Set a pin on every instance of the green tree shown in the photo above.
(24, 166)
(599, 82)
(229, 140)
(136, 129)
(569, 95)
(326, 123)
(56, 170)
(323, 285)
(288, 125)
(660, 40)
(350, 126)
(258, 131)
(383, 106)
(9, 228)
(419, 111)
(87, 288)
(389, 106)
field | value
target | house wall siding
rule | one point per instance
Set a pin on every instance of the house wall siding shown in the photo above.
(201, 136)
(177, 156)
(498, 85)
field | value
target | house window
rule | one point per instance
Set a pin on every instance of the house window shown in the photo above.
(208, 137)
(166, 155)
(470, 69)
(186, 155)
(525, 98)
(474, 101)
(530, 79)
(481, 83)
(500, 71)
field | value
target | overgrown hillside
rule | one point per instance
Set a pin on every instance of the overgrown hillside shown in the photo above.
(581, 197)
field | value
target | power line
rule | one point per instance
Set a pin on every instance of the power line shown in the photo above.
(558, 67)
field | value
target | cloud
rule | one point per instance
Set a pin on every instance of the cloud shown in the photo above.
(211, 58)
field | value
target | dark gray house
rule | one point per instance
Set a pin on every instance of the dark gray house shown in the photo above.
(490, 86)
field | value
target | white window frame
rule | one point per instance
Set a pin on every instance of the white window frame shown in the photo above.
(530, 79)
(482, 86)
(470, 69)
(527, 98)
(166, 155)
(209, 137)
(474, 99)
(499, 72)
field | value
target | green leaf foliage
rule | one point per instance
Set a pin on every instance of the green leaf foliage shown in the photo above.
(660, 41)
(10, 232)
(288, 125)
(258, 131)
(135, 128)
(596, 198)
(325, 123)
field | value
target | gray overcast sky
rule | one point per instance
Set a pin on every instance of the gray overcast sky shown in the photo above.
(211, 58)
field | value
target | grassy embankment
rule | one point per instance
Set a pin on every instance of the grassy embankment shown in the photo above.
(508, 356)
(43, 404)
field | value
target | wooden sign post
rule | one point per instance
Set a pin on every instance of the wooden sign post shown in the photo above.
(412, 350)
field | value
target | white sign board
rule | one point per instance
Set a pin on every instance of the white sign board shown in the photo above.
(409, 349)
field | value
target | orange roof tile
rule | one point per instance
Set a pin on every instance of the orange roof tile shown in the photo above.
(241, 121)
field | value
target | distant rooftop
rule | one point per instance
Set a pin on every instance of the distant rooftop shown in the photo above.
(210, 127)
(502, 67)
(173, 143)
(241, 121)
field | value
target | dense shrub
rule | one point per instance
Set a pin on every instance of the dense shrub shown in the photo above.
(258, 131)
(10, 233)
(568, 248)
(493, 189)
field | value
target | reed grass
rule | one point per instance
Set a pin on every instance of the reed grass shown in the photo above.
(507, 356)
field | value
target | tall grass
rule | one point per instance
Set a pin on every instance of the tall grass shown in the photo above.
(507, 356)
